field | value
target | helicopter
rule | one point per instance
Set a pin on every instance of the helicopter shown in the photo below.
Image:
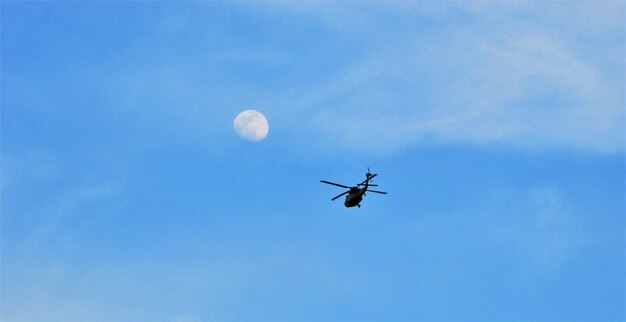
(356, 193)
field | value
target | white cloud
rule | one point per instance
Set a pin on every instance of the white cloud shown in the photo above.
(60, 202)
(538, 227)
(160, 289)
(510, 80)
(25, 165)
(512, 74)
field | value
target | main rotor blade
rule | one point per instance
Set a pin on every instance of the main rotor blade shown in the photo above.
(340, 195)
(371, 185)
(335, 184)
(376, 191)
(370, 178)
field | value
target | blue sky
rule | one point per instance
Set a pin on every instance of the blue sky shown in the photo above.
(497, 128)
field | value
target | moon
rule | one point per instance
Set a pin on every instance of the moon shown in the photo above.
(251, 125)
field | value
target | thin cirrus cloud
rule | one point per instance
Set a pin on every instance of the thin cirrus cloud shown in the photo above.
(511, 75)
(502, 81)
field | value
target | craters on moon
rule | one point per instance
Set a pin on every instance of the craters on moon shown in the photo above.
(251, 125)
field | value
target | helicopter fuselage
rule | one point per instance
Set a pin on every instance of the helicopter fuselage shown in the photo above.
(354, 197)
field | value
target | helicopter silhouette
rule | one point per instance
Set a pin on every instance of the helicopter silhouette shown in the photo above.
(356, 193)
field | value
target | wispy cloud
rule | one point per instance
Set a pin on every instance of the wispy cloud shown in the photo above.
(187, 289)
(538, 227)
(476, 79)
(512, 74)
(62, 200)
(42, 233)
(25, 165)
